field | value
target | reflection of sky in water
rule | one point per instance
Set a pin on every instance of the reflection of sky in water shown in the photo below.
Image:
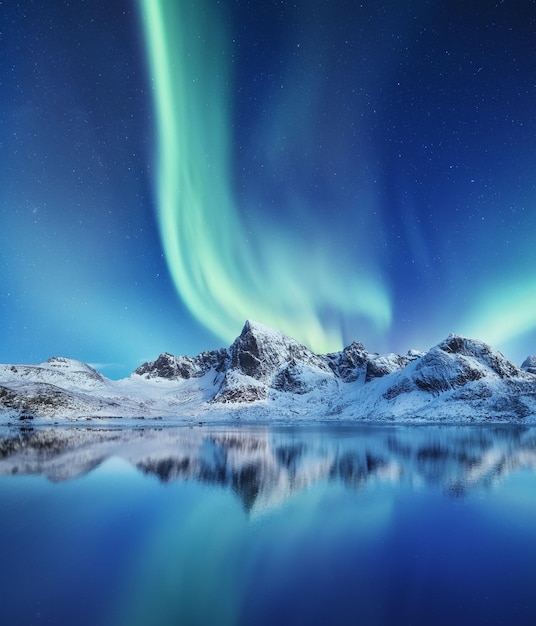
(122, 546)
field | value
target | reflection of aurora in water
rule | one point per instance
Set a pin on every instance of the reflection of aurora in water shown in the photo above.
(266, 467)
(381, 525)
(225, 270)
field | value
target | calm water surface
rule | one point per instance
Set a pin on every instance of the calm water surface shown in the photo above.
(368, 525)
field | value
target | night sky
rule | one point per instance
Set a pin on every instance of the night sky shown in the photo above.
(338, 170)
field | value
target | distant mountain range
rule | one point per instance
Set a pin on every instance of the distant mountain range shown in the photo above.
(265, 375)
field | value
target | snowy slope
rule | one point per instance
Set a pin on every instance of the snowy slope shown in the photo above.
(263, 360)
(265, 375)
(457, 379)
(529, 364)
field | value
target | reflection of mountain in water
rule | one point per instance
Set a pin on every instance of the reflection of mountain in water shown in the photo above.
(265, 467)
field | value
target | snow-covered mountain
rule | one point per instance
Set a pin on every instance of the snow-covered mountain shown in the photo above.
(529, 364)
(266, 375)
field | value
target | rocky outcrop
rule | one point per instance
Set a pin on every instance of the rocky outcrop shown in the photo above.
(172, 367)
(459, 378)
(529, 364)
(481, 353)
(355, 363)
(452, 364)
(261, 352)
(464, 376)
(263, 359)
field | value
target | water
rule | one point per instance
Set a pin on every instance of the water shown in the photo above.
(371, 525)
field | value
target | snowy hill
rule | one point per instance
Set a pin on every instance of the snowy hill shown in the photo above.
(265, 375)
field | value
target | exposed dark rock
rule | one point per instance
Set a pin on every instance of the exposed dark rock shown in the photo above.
(457, 364)
(243, 393)
(261, 352)
(247, 355)
(172, 367)
(437, 371)
(264, 364)
(403, 386)
(454, 344)
(351, 363)
(294, 379)
(476, 392)
(382, 365)
(355, 363)
(288, 379)
(9, 398)
(511, 406)
(529, 364)
(274, 361)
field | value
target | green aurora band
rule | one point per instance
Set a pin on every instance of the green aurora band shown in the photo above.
(225, 268)
(505, 314)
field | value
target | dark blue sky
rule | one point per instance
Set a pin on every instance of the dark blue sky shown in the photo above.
(338, 170)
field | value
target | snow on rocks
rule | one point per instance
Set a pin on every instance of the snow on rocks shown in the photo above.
(265, 375)
(529, 364)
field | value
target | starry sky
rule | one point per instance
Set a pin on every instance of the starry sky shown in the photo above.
(338, 170)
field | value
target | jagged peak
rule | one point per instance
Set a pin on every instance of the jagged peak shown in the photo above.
(265, 342)
(260, 352)
(263, 332)
(355, 346)
(453, 343)
(263, 364)
(459, 344)
(172, 367)
(414, 354)
(480, 351)
(253, 326)
(529, 364)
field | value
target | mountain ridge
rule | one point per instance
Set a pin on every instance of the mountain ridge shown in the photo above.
(267, 375)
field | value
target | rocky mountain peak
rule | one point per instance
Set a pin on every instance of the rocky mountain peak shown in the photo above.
(263, 359)
(459, 377)
(481, 352)
(260, 351)
(356, 363)
(172, 367)
(529, 364)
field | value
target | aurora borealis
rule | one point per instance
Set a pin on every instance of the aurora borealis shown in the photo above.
(338, 171)
(223, 275)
